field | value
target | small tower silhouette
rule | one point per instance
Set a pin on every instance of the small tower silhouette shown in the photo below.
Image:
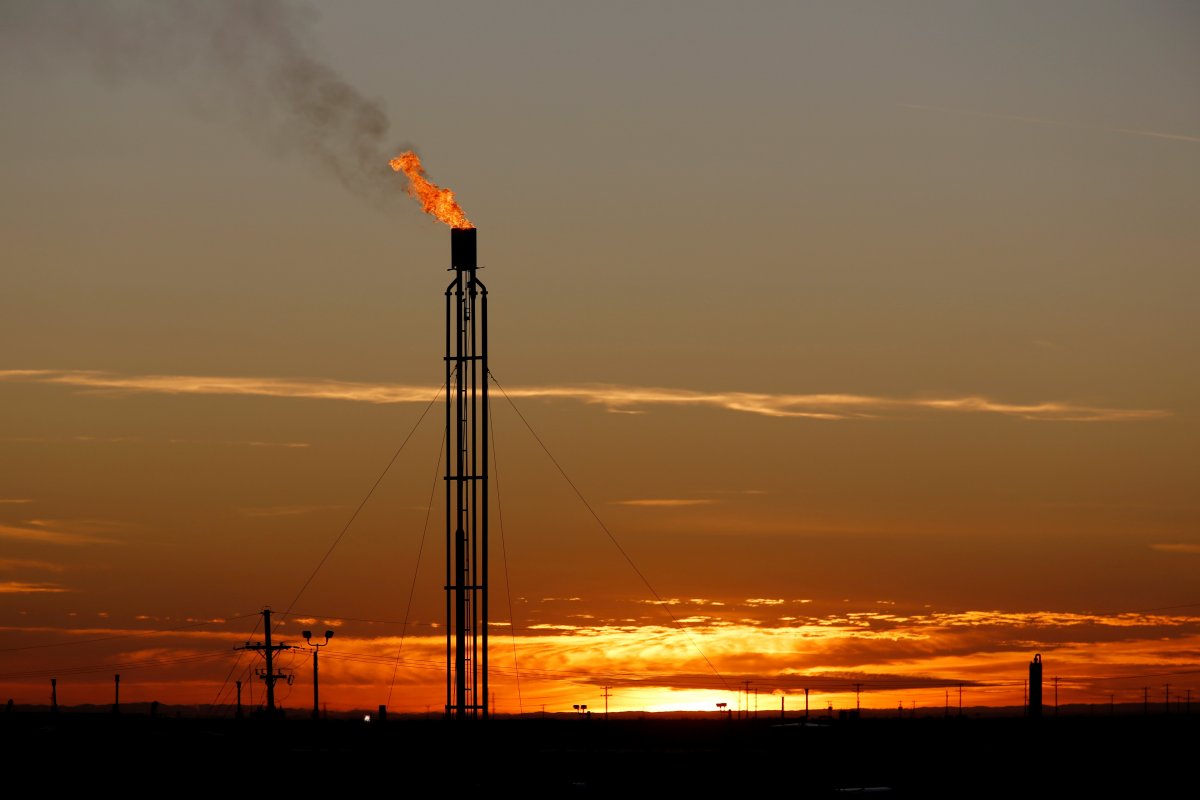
(1035, 687)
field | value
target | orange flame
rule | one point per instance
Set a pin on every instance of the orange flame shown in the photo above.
(434, 199)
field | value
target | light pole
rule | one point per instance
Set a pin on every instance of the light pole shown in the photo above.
(316, 648)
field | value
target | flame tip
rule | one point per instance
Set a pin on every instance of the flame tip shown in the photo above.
(434, 200)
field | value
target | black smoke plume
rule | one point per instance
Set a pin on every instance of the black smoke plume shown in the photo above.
(255, 58)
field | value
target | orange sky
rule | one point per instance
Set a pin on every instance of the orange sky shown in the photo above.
(869, 336)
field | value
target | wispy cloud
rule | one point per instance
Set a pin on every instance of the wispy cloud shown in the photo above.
(88, 439)
(612, 397)
(12, 501)
(241, 443)
(50, 533)
(21, 587)
(665, 502)
(1191, 549)
(319, 389)
(17, 564)
(1178, 137)
(287, 511)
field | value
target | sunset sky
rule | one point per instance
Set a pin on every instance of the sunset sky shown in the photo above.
(868, 330)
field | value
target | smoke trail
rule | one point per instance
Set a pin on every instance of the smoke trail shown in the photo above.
(257, 58)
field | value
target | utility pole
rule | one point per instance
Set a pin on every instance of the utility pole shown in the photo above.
(1056, 695)
(269, 675)
(1167, 698)
(54, 694)
(806, 704)
(746, 698)
(857, 694)
(782, 713)
(116, 694)
(960, 699)
(607, 695)
(239, 703)
(1145, 699)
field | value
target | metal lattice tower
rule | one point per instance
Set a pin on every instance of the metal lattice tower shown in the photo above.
(466, 484)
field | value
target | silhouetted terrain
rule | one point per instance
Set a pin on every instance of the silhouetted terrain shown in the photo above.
(962, 757)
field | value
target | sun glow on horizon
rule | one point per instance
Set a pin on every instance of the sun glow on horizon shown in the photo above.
(893, 659)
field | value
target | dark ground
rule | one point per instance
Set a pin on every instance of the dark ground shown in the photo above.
(1145, 756)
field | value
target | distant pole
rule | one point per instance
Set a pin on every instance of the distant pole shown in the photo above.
(782, 713)
(1167, 698)
(1145, 699)
(806, 704)
(857, 697)
(116, 694)
(947, 703)
(239, 702)
(960, 699)
(1056, 695)
(607, 695)
(54, 694)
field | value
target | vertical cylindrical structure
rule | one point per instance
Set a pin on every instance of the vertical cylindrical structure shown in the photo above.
(316, 681)
(1035, 687)
(466, 483)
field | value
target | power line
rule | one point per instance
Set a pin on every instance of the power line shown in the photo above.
(360, 507)
(225, 682)
(607, 532)
(504, 557)
(416, 569)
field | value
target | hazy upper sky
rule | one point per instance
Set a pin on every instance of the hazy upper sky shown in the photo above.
(885, 307)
